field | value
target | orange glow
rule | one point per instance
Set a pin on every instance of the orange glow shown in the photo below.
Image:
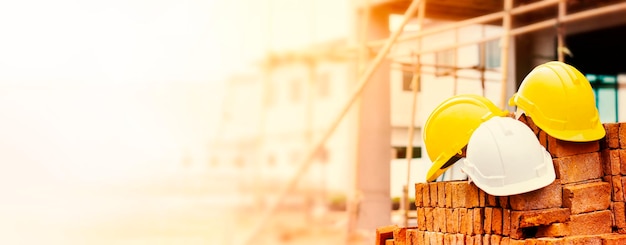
(108, 110)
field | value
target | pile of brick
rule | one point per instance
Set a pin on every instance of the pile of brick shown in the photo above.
(584, 205)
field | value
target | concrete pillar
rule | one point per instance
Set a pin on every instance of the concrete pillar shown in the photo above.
(374, 137)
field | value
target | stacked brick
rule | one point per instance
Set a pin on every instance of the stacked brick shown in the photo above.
(584, 205)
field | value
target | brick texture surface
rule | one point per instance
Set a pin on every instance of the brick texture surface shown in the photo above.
(496, 221)
(577, 168)
(399, 236)
(586, 204)
(553, 230)
(523, 219)
(587, 197)
(560, 148)
(440, 216)
(622, 135)
(452, 220)
(547, 197)
(583, 240)
(613, 239)
(598, 222)
(441, 194)
(619, 216)
(419, 201)
(384, 233)
(478, 216)
(611, 162)
(433, 193)
(611, 140)
(622, 155)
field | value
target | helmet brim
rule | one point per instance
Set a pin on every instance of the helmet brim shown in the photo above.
(592, 134)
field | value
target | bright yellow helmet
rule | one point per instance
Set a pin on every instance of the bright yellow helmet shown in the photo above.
(449, 128)
(561, 102)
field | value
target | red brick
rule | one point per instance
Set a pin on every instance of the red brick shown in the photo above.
(426, 195)
(469, 240)
(465, 219)
(546, 197)
(478, 239)
(506, 221)
(578, 167)
(472, 196)
(452, 220)
(419, 200)
(412, 237)
(421, 218)
(622, 163)
(598, 222)
(460, 239)
(384, 233)
(449, 194)
(543, 139)
(553, 230)
(487, 220)
(583, 240)
(505, 240)
(616, 184)
(517, 242)
(429, 219)
(561, 148)
(441, 194)
(523, 219)
(478, 216)
(613, 239)
(496, 221)
(419, 238)
(460, 190)
(440, 219)
(491, 201)
(399, 236)
(611, 140)
(487, 239)
(587, 197)
(530, 123)
(481, 198)
(617, 188)
(619, 214)
(449, 239)
(549, 241)
(433, 193)
(439, 238)
(622, 135)
(430, 237)
(503, 202)
(611, 162)
(495, 239)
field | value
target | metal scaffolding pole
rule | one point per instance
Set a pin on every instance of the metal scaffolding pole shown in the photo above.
(477, 20)
(304, 164)
(415, 89)
(560, 30)
(504, 43)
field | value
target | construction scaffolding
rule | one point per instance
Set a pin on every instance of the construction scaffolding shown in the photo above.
(419, 9)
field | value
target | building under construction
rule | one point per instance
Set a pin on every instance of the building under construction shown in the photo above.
(331, 114)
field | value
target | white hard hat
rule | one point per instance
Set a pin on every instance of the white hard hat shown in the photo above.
(504, 157)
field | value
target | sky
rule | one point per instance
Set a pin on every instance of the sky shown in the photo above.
(94, 91)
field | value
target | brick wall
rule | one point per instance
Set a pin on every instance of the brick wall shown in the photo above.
(584, 205)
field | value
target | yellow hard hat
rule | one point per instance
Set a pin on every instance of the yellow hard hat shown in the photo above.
(449, 128)
(561, 102)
